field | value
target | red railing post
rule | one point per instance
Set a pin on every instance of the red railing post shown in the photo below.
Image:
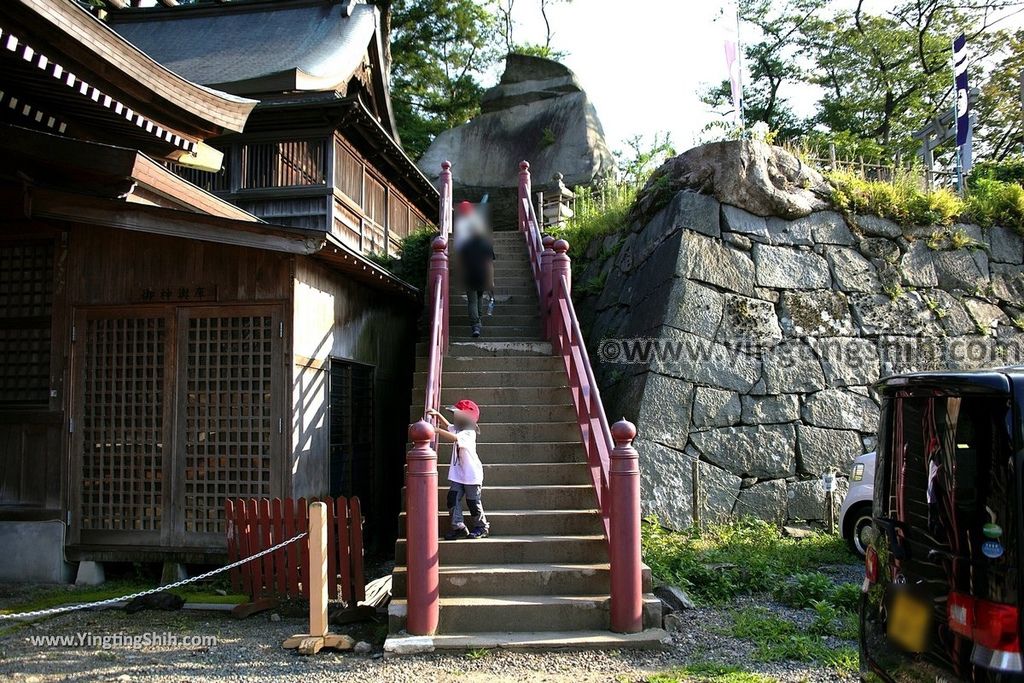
(560, 266)
(525, 191)
(624, 534)
(447, 221)
(547, 317)
(421, 551)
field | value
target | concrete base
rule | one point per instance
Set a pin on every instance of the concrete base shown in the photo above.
(34, 552)
(90, 573)
(172, 573)
(403, 644)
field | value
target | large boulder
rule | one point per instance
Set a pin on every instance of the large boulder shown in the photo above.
(749, 174)
(538, 112)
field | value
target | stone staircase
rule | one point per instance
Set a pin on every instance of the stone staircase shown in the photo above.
(542, 578)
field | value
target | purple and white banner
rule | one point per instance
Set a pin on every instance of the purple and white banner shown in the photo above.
(960, 80)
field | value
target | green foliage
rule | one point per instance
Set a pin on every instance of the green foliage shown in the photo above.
(777, 639)
(413, 258)
(708, 672)
(803, 590)
(641, 157)
(598, 215)
(847, 596)
(718, 563)
(992, 202)
(537, 50)
(901, 200)
(1007, 171)
(439, 50)
(1000, 128)
(478, 654)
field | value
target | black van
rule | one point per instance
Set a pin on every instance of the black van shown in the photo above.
(941, 599)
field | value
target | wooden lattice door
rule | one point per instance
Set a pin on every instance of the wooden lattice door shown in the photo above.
(230, 414)
(123, 431)
(176, 410)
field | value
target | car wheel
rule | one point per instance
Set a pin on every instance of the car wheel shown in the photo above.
(857, 529)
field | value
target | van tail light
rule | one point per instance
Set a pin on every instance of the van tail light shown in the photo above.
(994, 628)
(871, 564)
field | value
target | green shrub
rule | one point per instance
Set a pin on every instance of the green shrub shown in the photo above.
(597, 215)
(803, 590)
(847, 596)
(1006, 171)
(901, 200)
(720, 562)
(992, 202)
(412, 261)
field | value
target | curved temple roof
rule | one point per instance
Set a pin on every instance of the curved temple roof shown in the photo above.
(256, 47)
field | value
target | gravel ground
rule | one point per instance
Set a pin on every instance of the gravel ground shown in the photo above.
(250, 650)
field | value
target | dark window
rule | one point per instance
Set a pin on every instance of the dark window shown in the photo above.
(284, 164)
(26, 301)
(351, 430)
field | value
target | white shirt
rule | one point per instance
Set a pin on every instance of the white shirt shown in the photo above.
(466, 467)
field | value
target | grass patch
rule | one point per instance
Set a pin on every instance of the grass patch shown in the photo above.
(709, 672)
(777, 639)
(719, 562)
(597, 215)
(56, 596)
(989, 201)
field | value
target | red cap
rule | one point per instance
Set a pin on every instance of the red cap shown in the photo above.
(465, 208)
(471, 409)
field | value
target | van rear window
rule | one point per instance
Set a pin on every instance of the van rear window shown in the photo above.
(947, 473)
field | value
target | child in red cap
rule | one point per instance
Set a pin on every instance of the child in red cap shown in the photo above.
(466, 473)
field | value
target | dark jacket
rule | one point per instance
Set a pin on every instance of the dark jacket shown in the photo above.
(475, 257)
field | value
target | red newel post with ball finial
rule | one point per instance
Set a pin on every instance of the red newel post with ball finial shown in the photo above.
(525, 192)
(546, 316)
(421, 559)
(624, 533)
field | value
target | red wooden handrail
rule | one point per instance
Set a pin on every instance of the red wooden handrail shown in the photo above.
(422, 558)
(614, 469)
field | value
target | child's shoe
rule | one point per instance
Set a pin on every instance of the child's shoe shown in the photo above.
(456, 534)
(490, 306)
(480, 532)
(476, 330)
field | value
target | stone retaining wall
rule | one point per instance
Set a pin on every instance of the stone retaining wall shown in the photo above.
(768, 334)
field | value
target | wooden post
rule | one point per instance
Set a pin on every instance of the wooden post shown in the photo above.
(547, 318)
(561, 266)
(422, 591)
(319, 635)
(318, 569)
(624, 532)
(525, 192)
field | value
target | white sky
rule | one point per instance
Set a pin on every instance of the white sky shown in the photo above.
(644, 62)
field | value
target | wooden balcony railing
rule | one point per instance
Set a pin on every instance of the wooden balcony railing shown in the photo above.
(421, 461)
(613, 462)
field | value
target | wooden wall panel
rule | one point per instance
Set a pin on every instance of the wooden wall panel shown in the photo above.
(116, 267)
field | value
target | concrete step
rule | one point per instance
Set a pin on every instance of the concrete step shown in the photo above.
(519, 579)
(459, 316)
(563, 412)
(519, 613)
(482, 377)
(525, 522)
(504, 395)
(485, 347)
(529, 474)
(492, 363)
(512, 334)
(562, 451)
(525, 297)
(535, 497)
(650, 639)
(517, 549)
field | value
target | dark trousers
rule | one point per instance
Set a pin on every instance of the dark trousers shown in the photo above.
(475, 301)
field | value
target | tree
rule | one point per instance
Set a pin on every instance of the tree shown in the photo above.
(773, 62)
(439, 49)
(1000, 130)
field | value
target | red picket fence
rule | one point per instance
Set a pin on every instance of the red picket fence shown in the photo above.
(254, 525)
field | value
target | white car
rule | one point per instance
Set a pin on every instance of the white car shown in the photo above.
(855, 514)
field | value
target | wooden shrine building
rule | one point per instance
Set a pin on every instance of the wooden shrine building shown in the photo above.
(165, 346)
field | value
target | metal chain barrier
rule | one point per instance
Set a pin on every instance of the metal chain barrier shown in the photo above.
(158, 589)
